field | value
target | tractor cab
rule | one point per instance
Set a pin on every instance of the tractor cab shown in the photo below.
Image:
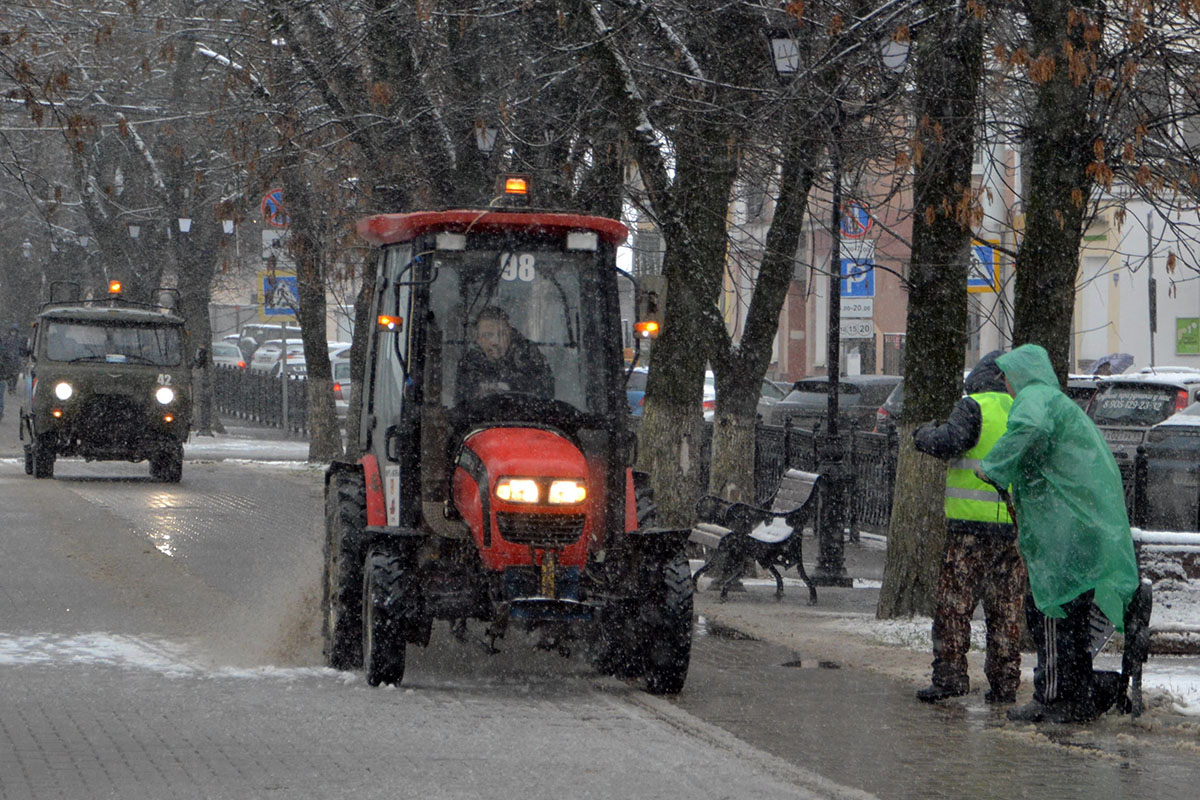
(494, 473)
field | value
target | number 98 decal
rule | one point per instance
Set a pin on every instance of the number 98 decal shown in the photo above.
(517, 267)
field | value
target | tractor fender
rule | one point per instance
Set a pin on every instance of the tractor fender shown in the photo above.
(376, 504)
(659, 543)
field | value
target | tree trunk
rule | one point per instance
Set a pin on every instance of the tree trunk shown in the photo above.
(669, 435)
(914, 558)
(306, 246)
(363, 326)
(739, 371)
(949, 63)
(1060, 150)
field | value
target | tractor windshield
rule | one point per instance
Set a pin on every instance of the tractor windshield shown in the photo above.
(515, 322)
(157, 345)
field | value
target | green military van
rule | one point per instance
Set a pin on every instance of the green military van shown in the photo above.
(107, 381)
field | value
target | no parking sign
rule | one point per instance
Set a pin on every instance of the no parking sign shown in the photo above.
(274, 214)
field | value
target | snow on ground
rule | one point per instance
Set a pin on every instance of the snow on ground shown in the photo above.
(1177, 677)
(168, 658)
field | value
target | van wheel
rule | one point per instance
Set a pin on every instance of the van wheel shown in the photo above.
(28, 459)
(167, 465)
(42, 455)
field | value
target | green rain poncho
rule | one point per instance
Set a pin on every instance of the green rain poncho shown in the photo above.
(1073, 531)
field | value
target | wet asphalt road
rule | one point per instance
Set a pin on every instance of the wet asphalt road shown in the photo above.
(161, 642)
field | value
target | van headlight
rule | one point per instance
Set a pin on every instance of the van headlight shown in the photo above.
(63, 390)
(165, 395)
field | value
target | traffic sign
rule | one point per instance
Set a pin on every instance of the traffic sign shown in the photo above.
(858, 308)
(280, 295)
(858, 277)
(856, 220)
(982, 273)
(274, 214)
(856, 329)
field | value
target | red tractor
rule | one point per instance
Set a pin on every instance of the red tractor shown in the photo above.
(494, 481)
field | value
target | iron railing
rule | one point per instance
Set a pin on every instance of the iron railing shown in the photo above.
(258, 399)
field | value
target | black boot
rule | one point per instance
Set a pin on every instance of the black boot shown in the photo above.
(935, 692)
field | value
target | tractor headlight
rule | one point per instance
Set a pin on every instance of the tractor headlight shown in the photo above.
(517, 490)
(165, 395)
(567, 492)
(63, 390)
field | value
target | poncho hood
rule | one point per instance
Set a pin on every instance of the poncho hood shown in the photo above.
(1028, 364)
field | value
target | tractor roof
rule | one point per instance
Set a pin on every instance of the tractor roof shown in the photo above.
(393, 228)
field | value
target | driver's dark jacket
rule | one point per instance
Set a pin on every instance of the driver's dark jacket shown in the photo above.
(522, 369)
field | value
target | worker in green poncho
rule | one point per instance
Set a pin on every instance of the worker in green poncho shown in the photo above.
(1073, 533)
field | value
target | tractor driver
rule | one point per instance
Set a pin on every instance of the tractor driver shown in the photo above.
(501, 360)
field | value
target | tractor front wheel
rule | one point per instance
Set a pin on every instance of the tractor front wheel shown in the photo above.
(388, 613)
(667, 628)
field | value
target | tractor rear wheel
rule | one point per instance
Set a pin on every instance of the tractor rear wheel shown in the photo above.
(667, 629)
(391, 612)
(341, 600)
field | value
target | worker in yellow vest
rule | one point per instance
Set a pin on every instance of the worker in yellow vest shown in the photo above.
(982, 563)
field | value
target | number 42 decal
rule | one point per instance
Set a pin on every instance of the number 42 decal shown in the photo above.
(164, 379)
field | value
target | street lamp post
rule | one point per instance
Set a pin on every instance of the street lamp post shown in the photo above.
(831, 450)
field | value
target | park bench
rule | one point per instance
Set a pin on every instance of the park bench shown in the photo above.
(736, 531)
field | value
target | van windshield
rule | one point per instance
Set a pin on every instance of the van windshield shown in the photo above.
(76, 341)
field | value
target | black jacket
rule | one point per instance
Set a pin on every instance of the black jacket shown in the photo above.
(522, 369)
(960, 433)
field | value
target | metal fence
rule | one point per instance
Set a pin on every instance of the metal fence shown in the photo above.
(258, 399)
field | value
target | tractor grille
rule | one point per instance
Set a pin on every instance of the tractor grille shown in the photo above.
(556, 530)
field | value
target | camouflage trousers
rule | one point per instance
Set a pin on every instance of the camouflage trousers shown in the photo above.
(977, 569)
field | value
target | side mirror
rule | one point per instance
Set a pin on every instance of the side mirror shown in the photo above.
(391, 443)
(201, 357)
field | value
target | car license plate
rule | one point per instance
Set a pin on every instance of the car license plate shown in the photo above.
(1122, 437)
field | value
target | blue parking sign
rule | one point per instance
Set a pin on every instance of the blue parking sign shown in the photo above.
(858, 277)
(981, 274)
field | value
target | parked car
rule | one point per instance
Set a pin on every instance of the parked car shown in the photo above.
(635, 394)
(266, 357)
(339, 350)
(1080, 388)
(635, 390)
(859, 399)
(227, 354)
(1172, 487)
(1126, 407)
(256, 334)
(341, 387)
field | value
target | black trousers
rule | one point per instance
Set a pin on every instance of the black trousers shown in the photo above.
(1064, 657)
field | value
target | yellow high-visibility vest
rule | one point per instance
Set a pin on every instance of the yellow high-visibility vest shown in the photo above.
(967, 497)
